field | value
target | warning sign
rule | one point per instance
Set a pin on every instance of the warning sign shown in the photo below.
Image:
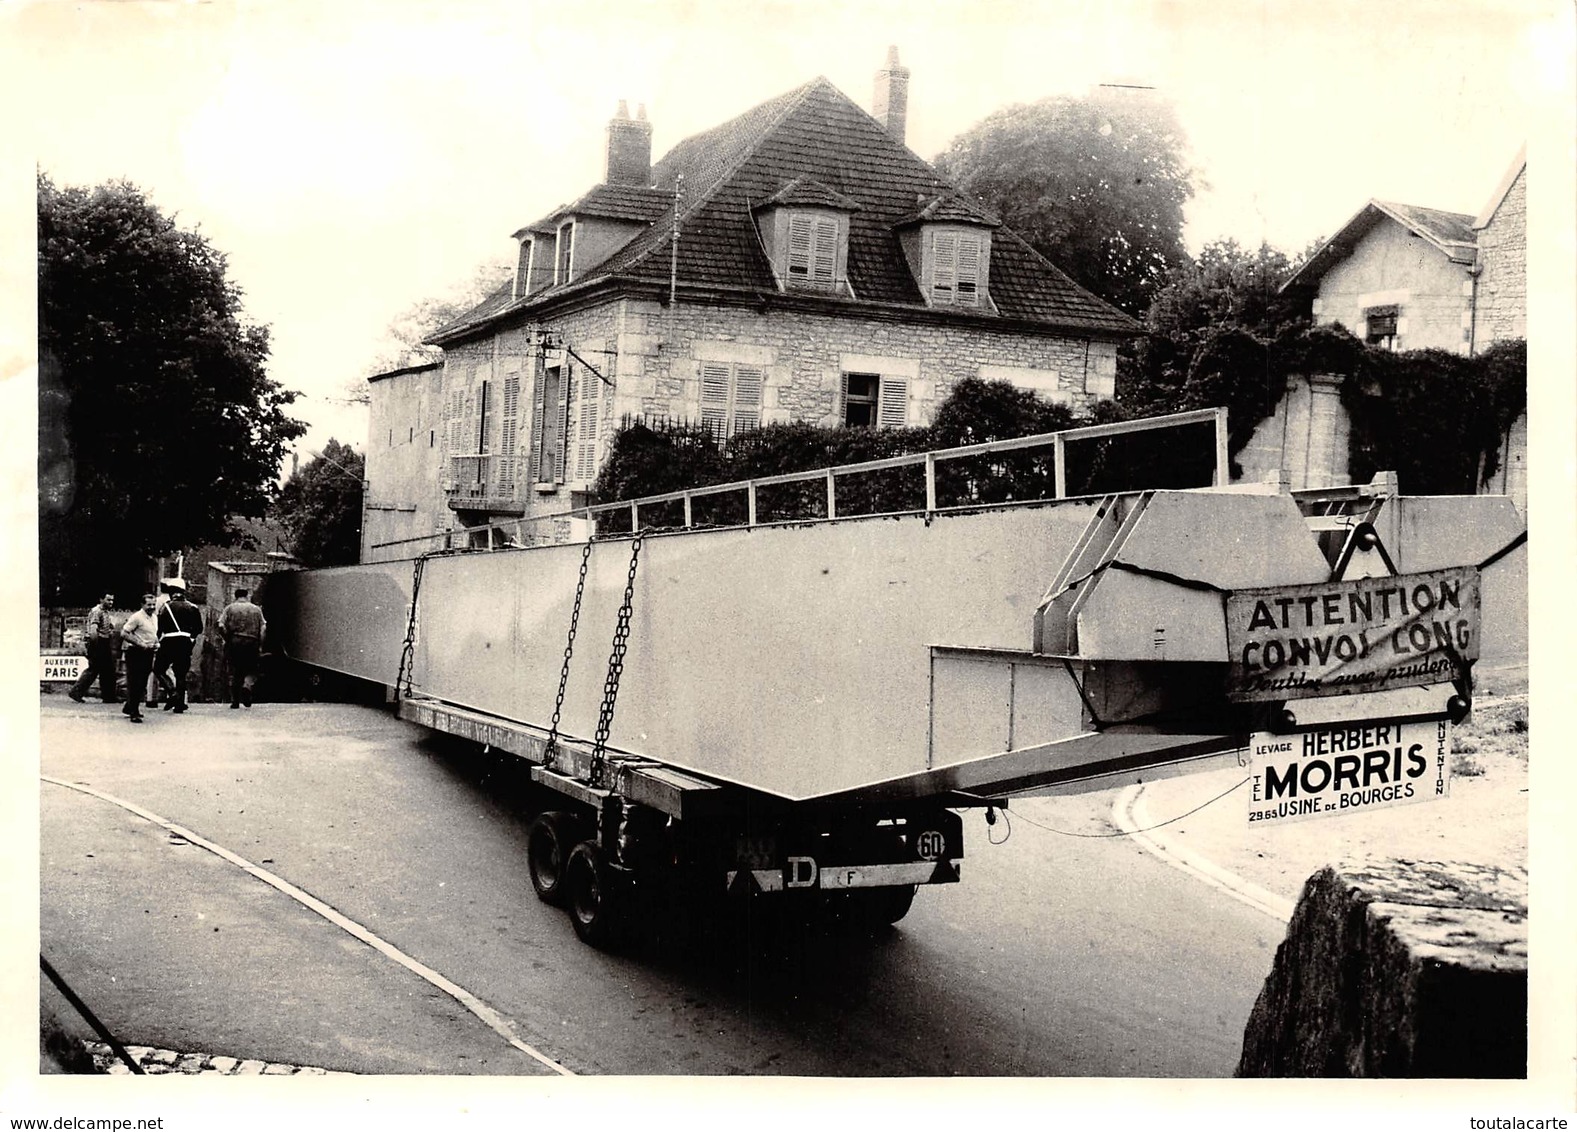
(1363, 635)
(1347, 769)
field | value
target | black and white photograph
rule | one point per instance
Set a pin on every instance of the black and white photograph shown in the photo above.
(811, 562)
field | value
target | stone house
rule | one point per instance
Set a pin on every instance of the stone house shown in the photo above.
(796, 263)
(1405, 278)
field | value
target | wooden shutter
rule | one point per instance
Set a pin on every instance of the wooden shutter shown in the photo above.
(566, 401)
(944, 266)
(748, 381)
(799, 247)
(824, 267)
(539, 418)
(714, 398)
(893, 403)
(509, 427)
(589, 412)
(968, 282)
(484, 402)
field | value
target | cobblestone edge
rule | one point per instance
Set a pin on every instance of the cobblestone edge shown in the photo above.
(156, 1061)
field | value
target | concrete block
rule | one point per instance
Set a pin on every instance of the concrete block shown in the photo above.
(1398, 968)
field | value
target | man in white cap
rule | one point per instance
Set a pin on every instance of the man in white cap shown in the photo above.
(180, 625)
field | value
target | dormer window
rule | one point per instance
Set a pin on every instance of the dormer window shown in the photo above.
(523, 269)
(804, 230)
(812, 249)
(565, 254)
(948, 245)
(956, 259)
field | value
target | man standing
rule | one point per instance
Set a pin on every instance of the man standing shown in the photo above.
(241, 626)
(180, 624)
(139, 637)
(100, 635)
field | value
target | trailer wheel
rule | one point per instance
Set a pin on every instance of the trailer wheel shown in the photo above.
(871, 909)
(548, 844)
(889, 905)
(592, 895)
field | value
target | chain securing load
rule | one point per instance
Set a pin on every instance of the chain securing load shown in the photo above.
(610, 689)
(549, 751)
(402, 678)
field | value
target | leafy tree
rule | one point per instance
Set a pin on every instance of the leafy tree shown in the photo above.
(158, 420)
(320, 506)
(1097, 185)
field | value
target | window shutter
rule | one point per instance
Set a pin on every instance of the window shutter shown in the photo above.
(893, 409)
(843, 399)
(944, 266)
(589, 412)
(747, 397)
(566, 403)
(509, 427)
(714, 398)
(484, 403)
(799, 247)
(968, 270)
(826, 259)
(538, 420)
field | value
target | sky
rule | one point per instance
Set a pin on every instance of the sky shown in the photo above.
(351, 158)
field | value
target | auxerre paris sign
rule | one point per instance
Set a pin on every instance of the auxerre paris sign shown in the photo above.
(1361, 635)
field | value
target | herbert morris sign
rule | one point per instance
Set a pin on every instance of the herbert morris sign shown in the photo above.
(1363, 635)
(1347, 769)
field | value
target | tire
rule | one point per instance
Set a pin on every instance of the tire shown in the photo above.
(872, 909)
(548, 843)
(889, 905)
(592, 896)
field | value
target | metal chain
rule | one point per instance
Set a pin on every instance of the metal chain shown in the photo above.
(610, 688)
(552, 747)
(402, 679)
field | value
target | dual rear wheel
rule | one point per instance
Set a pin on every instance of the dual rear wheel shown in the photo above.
(570, 872)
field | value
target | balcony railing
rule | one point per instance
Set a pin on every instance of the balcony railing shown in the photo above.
(482, 482)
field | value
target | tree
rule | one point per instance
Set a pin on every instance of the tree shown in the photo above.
(320, 506)
(407, 330)
(1096, 185)
(158, 420)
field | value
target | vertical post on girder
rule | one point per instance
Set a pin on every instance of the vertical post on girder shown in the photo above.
(688, 520)
(1223, 458)
(750, 498)
(1059, 464)
(832, 496)
(930, 484)
(635, 516)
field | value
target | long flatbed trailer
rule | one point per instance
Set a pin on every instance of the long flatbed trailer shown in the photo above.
(801, 709)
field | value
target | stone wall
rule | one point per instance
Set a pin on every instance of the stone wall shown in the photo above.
(1398, 968)
(652, 355)
(1500, 308)
(1307, 437)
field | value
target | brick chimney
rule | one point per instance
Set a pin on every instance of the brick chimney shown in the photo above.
(629, 147)
(890, 106)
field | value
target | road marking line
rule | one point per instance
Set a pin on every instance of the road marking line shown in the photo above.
(488, 1016)
(1197, 866)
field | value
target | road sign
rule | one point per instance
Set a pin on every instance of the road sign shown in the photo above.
(1347, 769)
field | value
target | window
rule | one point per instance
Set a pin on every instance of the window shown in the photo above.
(873, 401)
(509, 429)
(551, 407)
(523, 269)
(1380, 326)
(731, 398)
(586, 395)
(566, 253)
(955, 269)
(812, 250)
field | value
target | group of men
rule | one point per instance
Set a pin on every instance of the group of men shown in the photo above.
(158, 640)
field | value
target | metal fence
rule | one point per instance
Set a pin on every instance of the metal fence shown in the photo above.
(578, 524)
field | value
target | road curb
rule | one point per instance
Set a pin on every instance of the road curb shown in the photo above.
(1129, 815)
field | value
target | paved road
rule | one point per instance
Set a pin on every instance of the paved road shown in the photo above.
(1058, 955)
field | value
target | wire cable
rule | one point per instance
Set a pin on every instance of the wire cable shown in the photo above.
(1120, 833)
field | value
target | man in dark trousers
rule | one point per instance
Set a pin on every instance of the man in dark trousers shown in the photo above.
(100, 634)
(139, 637)
(241, 626)
(180, 625)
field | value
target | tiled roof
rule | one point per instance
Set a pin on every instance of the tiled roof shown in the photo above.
(1448, 230)
(617, 202)
(951, 208)
(807, 193)
(816, 134)
(1450, 233)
